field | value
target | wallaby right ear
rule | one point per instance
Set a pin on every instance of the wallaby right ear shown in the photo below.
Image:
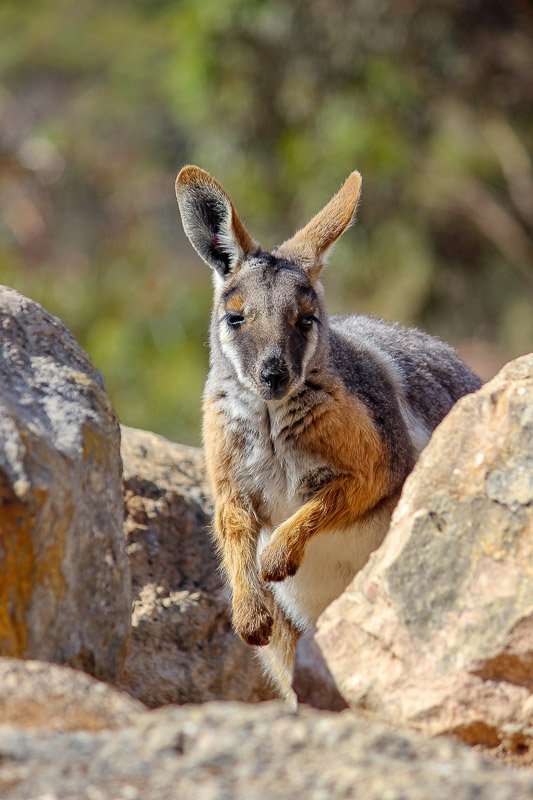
(309, 246)
(210, 221)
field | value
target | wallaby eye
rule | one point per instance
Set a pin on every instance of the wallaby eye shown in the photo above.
(305, 323)
(234, 320)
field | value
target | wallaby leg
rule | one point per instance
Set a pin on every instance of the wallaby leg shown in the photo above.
(278, 656)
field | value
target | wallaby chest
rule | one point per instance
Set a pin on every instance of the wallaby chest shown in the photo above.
(279, 471)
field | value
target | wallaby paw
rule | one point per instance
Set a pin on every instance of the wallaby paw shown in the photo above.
(278, 562)
(253, 623)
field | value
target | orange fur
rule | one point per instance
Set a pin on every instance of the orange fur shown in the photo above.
(235, 302)
(345, 436)
(306, 306)
(236, 527)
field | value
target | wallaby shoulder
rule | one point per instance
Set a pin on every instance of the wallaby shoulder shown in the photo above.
(428, 374)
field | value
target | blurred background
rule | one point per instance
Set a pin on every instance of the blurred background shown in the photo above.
(101, 103)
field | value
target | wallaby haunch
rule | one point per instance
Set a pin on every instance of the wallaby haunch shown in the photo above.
(311, 423)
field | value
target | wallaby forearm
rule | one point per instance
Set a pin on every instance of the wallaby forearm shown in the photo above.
(338, 505)
(237, 523)
(236, 530)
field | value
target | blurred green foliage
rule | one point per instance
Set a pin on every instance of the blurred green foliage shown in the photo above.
(101, 103)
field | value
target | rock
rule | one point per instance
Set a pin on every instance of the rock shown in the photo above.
(234, 751)
(183, 649)
(437, 630)
(313, 683)
(38, 695)
(64, 579)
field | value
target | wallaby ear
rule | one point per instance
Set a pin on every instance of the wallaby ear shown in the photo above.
(211, 222)
(310, 245)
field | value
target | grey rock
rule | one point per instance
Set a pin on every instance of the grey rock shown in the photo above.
(228, 751)
(64, 578)
(183, 649)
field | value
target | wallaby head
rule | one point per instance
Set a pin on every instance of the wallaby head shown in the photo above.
(269, 320)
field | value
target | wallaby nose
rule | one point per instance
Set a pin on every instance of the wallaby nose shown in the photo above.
(275, 374)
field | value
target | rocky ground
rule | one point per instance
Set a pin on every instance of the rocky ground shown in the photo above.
(237, 751)
(107, 566)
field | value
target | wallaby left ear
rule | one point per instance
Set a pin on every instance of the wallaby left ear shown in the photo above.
(310, 245)
(210, 221)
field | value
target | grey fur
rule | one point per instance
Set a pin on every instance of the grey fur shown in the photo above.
(434, 376)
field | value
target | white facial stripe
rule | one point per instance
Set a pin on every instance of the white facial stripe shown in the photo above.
(310, 349)
(218, 282)
(226, 343)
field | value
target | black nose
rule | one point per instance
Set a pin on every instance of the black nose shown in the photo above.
(275, 374)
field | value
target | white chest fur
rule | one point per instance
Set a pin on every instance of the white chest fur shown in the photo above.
(330, 562)
(269, 467)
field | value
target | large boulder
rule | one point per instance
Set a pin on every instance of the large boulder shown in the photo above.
(183, 649)
(247, 752)
(64, 579)
(437, 630)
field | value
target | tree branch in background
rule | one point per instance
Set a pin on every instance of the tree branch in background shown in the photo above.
(495, 223)
(515, 163)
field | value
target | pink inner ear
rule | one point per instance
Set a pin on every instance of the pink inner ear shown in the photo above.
(215, 241)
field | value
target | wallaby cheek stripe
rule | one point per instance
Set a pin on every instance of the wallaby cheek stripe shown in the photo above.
(311, 344)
